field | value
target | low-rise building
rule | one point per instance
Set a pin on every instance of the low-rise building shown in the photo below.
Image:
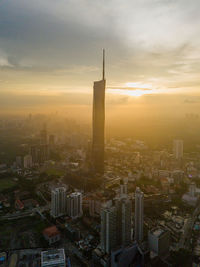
(51, 234)
(53, 258)
(19, 204)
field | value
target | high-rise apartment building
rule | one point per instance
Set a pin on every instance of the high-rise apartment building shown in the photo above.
(74, 205)
(98, 123)
(178, 149)
(124, 207)
(108, 229)
(139, 211)
(58, 202)
(159, 242)
(123, 188)
(116, 224)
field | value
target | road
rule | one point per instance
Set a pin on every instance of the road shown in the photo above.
(72, 251)
(14, 216)
(187, 229)
(22, 214)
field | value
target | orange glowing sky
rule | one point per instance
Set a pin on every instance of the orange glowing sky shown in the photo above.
(53, 48)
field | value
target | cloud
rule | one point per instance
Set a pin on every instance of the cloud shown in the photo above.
(152, 39)
(4, 61)
(79, 69)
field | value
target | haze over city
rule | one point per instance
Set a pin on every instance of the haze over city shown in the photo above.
(99, 133)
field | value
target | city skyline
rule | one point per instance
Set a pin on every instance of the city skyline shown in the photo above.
(99, 159)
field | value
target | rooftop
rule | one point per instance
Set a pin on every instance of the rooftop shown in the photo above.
(75, 194)
(158, 232)
(55, 256)
(51, 231)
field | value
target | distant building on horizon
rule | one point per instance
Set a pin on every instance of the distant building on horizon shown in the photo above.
(43, 135)
(28, 163)
(178, 149)
(191, 197)
(51, 140)
(139, 214)
(98, 123)
(39, 153)
(19, 161)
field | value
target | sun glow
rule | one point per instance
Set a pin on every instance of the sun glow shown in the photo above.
(141, 85)
(135, 89)
(135, 93)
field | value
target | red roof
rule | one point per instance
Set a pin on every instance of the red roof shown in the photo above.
(20, 204)
(51, 231)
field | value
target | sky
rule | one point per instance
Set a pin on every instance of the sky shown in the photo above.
(51, 52)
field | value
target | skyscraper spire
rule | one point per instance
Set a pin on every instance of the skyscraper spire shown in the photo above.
(99, 122)
(103, 64)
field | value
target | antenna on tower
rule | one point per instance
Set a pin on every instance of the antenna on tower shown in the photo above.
(103, 64)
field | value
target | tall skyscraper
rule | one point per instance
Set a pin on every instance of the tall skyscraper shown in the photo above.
(58, 202)
(139, 211)
(99, 122)
(178, 149)
(74, 205)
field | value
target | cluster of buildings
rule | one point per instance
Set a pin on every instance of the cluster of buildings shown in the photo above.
(178, 149)
(36, 258)
(122, 240)
(121, 233)
(66, 204)
(38, 153)
(54, 257)
(123, 237)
